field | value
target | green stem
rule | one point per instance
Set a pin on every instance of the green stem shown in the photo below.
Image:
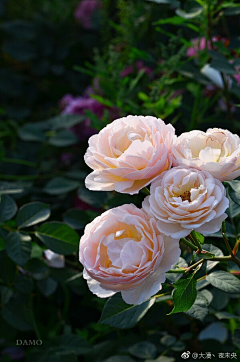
(177, 271)
(196, 241)
(35, 326)
(194, 265)
(189, 244)
(225, 238)
(146, 191)
(162, 295)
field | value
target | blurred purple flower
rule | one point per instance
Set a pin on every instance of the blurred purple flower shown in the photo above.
(79, 105)
(84, 12)
(15, 353)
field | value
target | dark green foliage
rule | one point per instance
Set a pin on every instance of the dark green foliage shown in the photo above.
(134, 57)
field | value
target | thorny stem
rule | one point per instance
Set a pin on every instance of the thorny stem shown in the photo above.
(235, 249)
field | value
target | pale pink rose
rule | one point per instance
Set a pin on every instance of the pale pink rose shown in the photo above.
(186, 199)
(54, 260)
(123, 251)
(129, 153)
(216, 151)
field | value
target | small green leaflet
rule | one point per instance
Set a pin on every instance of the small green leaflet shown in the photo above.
(184, 295)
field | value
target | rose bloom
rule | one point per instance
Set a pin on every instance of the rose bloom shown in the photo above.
(186, 199)
(129, 153)
(123, 251)
(216, 151)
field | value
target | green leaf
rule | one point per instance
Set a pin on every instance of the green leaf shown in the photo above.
(224, 281)
(102, 100)
(234, 190)
(226, 315)
(76, 218)
(214, 331)
(17, 313)
(120, 358)
(117, 313)
(58, 237)
(231, 11)
(215, 251)
(32, 213)
(143, 350)
(200, 237)
(192, 14)
(8, 208)
(37, 268)
(10, 188)
(220, 299)
(63, 139)
(221, 63)
(18, 247)
(73, 342)
(236, 337)
(60, 185)
(47, 286)
(19, 29)
(23, 284)
(65, 121)
(172, 2)
(33, 132)
(93, 198)
(2, 244)
(174, 20)
(199, 309)
(168, 340)
(184, 295)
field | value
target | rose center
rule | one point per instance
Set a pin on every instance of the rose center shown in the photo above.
(186, 196)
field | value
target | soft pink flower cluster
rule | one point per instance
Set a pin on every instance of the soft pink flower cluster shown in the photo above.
(127, 249)
(84, 12)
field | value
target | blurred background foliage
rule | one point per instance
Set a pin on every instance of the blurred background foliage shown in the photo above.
(67, 69)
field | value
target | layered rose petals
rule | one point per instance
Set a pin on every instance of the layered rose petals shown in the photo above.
(123, 250)
(129, 153)
(186, 199)
(216, 151)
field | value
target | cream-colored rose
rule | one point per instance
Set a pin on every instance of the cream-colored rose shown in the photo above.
(216, 151)
(123, 251)
(186, 199)
(129, 153)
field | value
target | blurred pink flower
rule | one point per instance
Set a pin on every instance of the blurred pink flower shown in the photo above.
(138, 66)
(237, 78)
(84, 12)
(203, 43)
